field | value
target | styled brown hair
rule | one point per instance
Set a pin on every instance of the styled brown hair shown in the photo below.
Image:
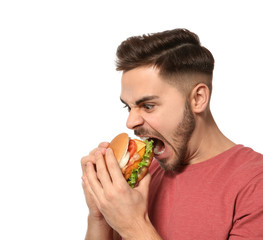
(175, 53)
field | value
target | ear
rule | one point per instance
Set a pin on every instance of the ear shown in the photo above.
(199, 98)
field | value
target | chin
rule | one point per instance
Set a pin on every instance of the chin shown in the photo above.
(173, 164)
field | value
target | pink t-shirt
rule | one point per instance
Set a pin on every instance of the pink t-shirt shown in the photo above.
(218, 199)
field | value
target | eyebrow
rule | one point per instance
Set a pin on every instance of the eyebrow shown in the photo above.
(141, 100)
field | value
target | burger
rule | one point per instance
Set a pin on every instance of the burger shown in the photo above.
(134, 157)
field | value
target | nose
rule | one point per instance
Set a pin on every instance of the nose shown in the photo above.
(134, 119)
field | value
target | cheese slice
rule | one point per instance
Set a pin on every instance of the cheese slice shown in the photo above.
(140, 144)
(140, 147)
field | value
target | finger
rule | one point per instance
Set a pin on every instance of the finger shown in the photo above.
(89, 194)
(113, 167)
(104, 144)
(102, 172)
(143, 186)
(91, 157)
(95, 187)
(84, 161)
(85, 186)
(101, 147)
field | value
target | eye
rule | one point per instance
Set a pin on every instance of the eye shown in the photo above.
(128, 108)
(148, 107)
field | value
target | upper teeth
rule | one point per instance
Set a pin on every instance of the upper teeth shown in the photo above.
(144, 138)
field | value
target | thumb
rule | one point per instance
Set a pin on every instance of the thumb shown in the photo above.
(143, 187)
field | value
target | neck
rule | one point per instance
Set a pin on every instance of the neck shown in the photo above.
(207, 140)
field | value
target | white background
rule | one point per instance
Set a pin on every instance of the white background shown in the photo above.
(59, 94)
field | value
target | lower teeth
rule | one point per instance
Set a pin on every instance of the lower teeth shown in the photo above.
(157, 151)
(159, 147)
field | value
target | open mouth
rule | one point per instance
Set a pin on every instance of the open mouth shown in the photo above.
(159, 146)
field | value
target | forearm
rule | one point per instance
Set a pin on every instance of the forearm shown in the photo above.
(98, 229)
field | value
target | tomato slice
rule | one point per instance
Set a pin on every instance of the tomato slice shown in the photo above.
(132, 148)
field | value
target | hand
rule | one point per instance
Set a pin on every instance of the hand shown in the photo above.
(93, 210)
(123, 208)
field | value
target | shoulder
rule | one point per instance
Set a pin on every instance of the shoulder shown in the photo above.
(249, 161)
(240, 159)
(245, 168)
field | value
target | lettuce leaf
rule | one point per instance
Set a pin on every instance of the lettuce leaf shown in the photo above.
(145, 162)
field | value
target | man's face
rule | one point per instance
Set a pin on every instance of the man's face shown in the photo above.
(159, 111)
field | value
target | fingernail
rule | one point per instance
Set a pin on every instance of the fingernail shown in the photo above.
(89, 164)
(108, 149)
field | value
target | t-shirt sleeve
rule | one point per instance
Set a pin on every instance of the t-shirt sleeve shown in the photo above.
(248, 212)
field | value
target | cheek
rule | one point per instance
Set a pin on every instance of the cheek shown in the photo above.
(171, 122)
(165, 121)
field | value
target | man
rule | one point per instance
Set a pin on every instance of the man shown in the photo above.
(201, 185)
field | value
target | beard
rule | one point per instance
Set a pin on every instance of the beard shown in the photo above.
(180, 138)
